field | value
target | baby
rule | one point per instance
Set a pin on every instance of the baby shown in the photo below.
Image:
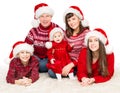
(58, 53)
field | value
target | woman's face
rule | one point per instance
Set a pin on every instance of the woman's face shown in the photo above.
(24, 56)
(73, 22)
(93, 43)
(45, 20)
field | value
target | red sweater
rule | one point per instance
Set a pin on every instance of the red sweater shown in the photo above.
(38, 37)
(59, 52)
(18, 71)
(82, 70)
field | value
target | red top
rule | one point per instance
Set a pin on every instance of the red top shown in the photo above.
(17, 70)
(82, 70)
(59, 52)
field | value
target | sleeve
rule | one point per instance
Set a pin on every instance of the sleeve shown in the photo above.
(50, 53)
(35, 70)
(82, 71)
(30, 37)
(11, 75)
(69, 48)
(110, 60)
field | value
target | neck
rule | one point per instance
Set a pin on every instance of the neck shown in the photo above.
(25, 63)
(95, 56)
(76, 31)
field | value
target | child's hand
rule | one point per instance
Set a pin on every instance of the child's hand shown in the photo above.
(72, 44)
(52, 61)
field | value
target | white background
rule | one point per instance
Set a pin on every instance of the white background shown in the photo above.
(16, 17)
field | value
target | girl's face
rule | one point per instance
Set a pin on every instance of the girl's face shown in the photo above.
(93, 43)
(73, 22)
(24, 56)
(57, 37)
(45, 20)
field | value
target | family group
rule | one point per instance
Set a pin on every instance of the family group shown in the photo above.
(75, 50)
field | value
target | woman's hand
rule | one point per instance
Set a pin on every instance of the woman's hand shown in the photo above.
(87, 81)
(66, 69)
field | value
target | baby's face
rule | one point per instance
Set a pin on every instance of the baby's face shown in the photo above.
(57, 37)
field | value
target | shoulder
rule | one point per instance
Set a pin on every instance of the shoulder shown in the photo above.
(15, 61)
(83, 50)
(34, 59)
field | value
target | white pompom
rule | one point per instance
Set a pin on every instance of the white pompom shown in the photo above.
(35, 23)
(85, 23)
(48, 45)
(109, 49)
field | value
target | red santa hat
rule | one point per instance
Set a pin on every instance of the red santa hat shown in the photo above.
(48, 45)
(40, 9)
(100, 33)
(76, 10)
(19, 46)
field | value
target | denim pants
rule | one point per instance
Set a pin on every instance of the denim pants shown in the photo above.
(42, 64)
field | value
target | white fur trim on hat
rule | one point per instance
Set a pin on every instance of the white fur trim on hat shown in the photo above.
(77, 13)
(48, 45)
(71, 10)
(97, 34)
(20, 47)
(53, 31)
(109, 49)
(42, 10)
(35, 23)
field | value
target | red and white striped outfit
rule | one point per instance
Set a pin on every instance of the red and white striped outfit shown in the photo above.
(78, 42)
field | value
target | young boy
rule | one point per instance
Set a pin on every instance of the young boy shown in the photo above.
(24, 67)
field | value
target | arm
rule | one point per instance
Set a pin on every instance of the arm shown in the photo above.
(110, 60)
(82, 71)
(30, 38)
(35, 70)
(11, 75)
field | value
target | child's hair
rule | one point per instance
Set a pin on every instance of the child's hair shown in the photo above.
(102, 62)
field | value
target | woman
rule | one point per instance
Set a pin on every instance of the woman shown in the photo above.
(76, 28)
(96, 62)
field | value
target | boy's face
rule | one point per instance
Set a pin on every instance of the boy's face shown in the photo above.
(24, 56)
(57, 37)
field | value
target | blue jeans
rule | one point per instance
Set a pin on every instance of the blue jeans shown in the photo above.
(42, 64)
(51, 74)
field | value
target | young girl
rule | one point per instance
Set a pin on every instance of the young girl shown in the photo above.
(96, 62)
(24, 67)
(76, 29)
(58, 51)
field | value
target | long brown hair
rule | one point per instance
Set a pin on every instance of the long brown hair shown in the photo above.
(69, 30)
(102, 62)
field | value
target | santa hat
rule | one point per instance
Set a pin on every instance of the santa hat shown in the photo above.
(76, 10)
(100, 33)
(40, 9)
(19, 46)
(48, 45)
